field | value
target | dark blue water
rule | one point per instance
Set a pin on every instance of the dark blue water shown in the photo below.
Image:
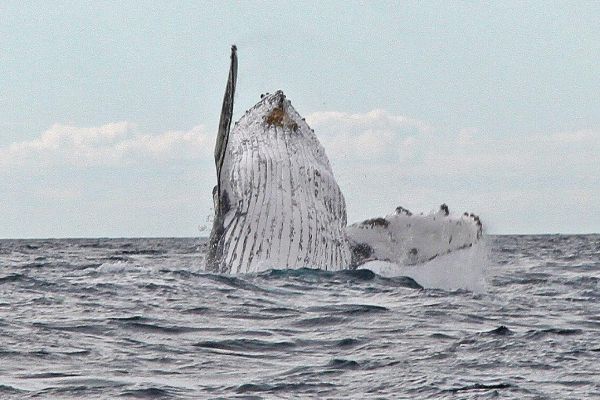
(137, 318)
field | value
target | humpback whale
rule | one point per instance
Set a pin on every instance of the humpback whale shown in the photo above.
(278, 205)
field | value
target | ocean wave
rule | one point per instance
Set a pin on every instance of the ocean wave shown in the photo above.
(155, 325)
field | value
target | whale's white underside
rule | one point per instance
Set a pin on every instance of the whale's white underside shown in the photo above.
(286, 207)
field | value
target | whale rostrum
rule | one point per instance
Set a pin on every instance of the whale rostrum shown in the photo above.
(278, 205)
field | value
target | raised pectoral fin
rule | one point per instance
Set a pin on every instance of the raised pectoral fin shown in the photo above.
(226, 116)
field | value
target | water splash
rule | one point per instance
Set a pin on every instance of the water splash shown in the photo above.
(463, 269)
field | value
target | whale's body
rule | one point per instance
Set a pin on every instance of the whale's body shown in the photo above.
(277, 204)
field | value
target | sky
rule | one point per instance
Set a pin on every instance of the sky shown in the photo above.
(109, 110)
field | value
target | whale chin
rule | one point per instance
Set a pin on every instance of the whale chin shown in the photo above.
(278, 205)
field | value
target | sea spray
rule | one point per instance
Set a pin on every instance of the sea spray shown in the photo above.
(462, 269)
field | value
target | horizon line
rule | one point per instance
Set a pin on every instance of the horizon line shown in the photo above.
(206, 237)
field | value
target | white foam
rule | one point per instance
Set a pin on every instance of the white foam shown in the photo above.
(117, 267)
(462, 269)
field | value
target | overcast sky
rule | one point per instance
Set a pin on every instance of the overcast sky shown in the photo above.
(108, 111)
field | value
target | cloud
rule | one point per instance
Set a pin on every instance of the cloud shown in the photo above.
(108, 180)
(94, 175)
(382, 160)
(113, 144)
(402, 145)
(418, 148)
(375, 134)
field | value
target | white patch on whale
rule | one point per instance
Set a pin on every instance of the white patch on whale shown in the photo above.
(406, 239)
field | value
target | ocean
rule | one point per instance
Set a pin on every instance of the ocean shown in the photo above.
(139, 319)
